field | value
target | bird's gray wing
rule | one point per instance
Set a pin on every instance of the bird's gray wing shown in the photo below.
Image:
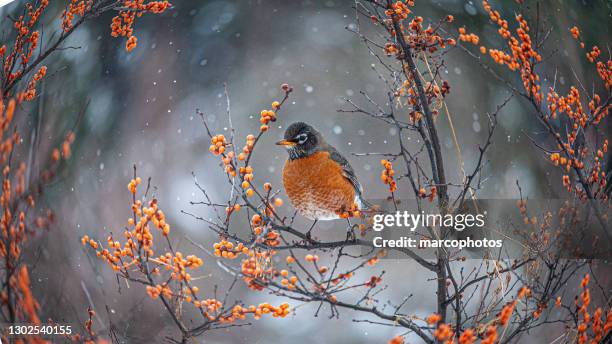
(347, 170)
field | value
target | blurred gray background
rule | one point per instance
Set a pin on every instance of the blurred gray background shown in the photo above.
(143, 111)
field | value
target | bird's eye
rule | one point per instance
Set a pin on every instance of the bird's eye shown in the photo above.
(301, 138)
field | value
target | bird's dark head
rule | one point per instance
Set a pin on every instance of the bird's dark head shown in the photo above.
(301, 140)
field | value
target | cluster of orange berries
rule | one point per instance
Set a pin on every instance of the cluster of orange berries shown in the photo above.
(219, 148)
(599, 328)
(20, 188)
(593, 54)
(268, 116)
(506, 313)
(597, 175)
(30, 92)
(211, 306)
(468, 37)
(399, 9)
(66, 147)
(257, 268)
(7, 113)
(387, 175)
(374, 260)
(575, 32)
(396, 340)
(140, 239)
(585, 298)
(163, 289)
(248, 147)
(158, 218)
(247, 177)
(133, 185)
(228, 250)
(571, 105)
(112, 258)
(89, 322)
(156, 291)
(86, 240)
(373, 281)
(426, 39)
(391, 49)
(122, 24)
(433, 319)
(342, 277)
(353, 211)
(288, 282)
(501, 57)
(598, 111)
(239, 312)
(445, 333)
(414, 116)
(257, 224)
(557, 159)
(431, 195)
(26, 42)
(235, 208)
(179, 265)
(522, 51)
(33, 13)
(76, 7)
(604, 70)
(418, 38)
(271, 239)
(311, 258)
(436, 91)
(218, 144)
(522, 205)
(474, 39)
(416, 24)
(605, 73)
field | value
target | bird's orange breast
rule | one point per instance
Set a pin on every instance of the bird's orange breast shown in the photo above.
(317, 187)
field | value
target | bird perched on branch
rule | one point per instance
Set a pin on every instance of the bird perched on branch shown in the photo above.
(320, 182)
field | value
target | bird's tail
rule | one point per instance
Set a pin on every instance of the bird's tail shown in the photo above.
(368, 209)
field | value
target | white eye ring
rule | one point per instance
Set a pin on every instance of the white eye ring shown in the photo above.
(301, 138)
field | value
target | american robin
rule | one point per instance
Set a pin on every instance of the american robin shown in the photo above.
(319, 181)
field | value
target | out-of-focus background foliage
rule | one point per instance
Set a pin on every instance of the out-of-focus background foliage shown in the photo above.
(142, 110)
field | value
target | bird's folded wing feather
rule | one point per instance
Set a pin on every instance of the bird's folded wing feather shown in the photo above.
(347, 170)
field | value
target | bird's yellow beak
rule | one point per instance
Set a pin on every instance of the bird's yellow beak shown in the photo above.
(286, 143)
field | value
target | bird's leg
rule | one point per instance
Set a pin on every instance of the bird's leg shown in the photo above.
(308, 236)
(350, 233)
